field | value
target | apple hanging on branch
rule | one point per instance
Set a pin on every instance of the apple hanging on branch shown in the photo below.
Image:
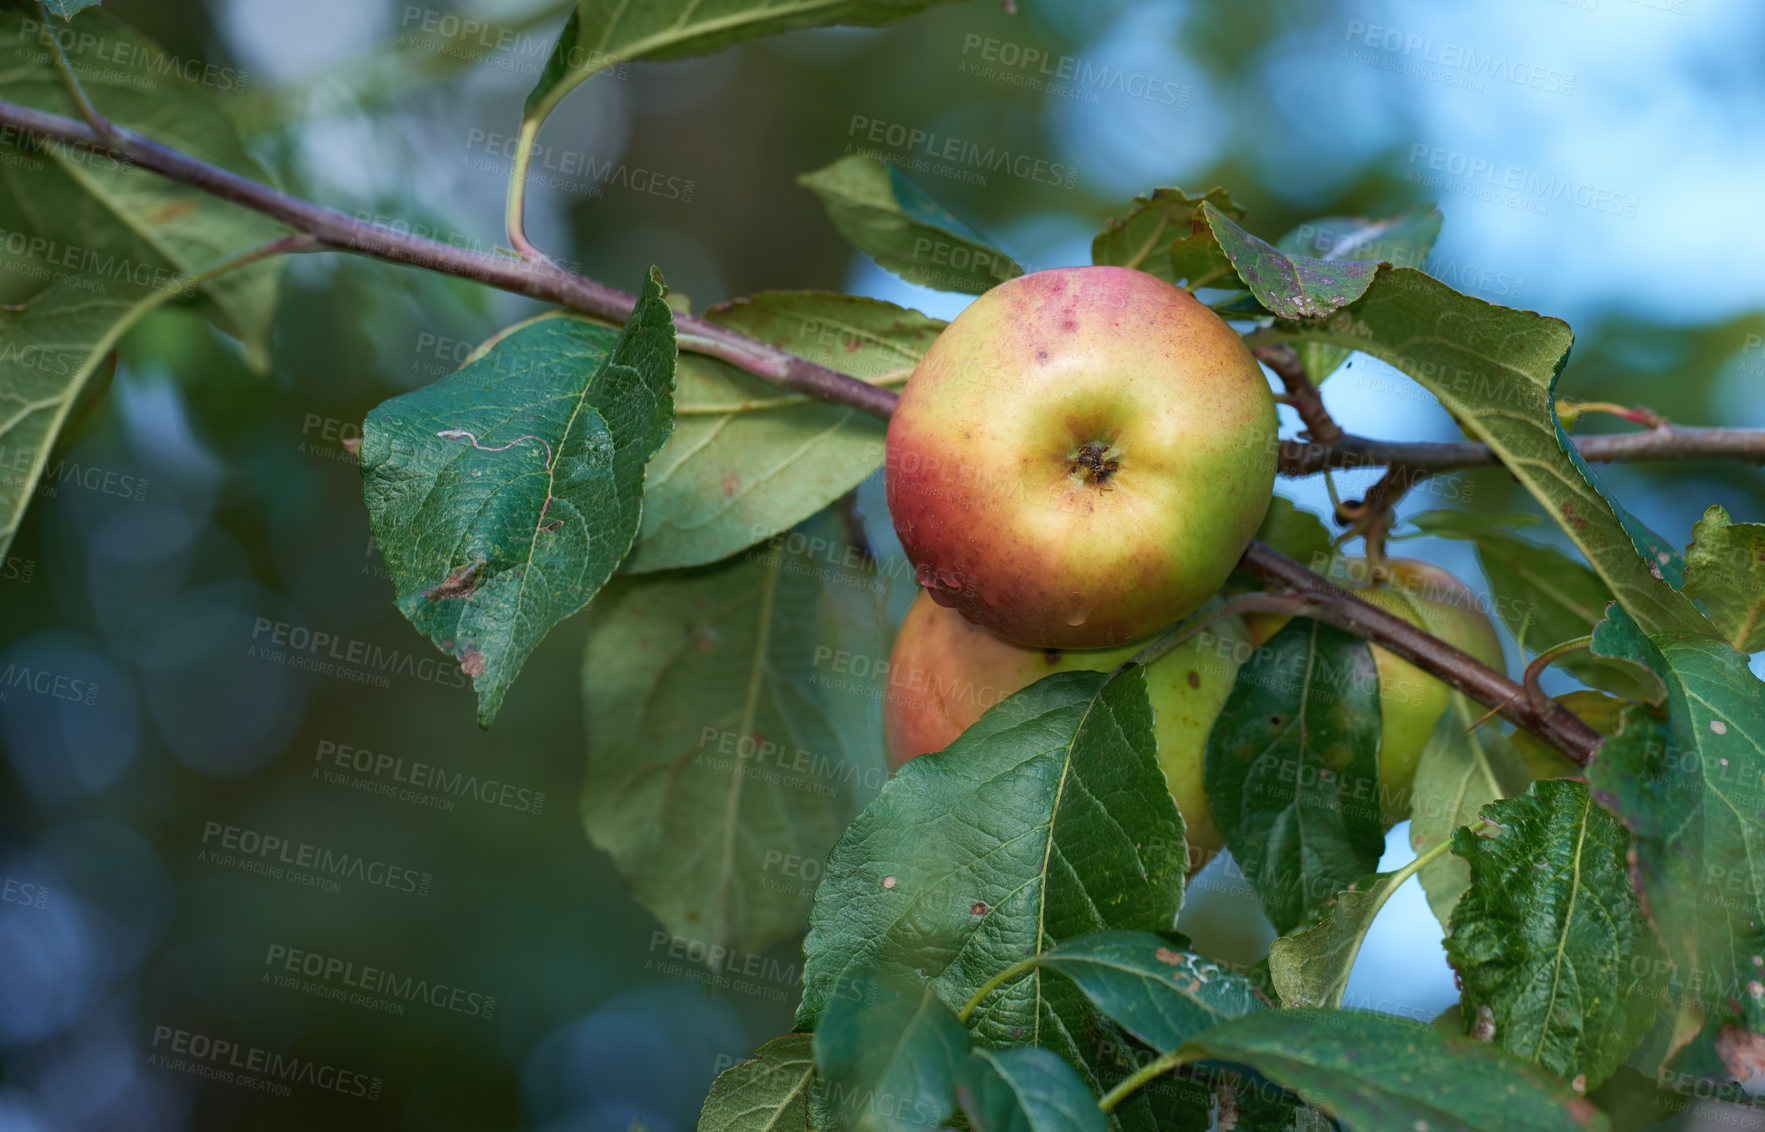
(1081, 458)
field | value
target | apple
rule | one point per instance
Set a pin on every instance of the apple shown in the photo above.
(1080, 458)
(1411, 702)
(946, 671)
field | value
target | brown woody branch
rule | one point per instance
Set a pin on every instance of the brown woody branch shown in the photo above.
(1328, 446)
(1543, 717)
(543, 281)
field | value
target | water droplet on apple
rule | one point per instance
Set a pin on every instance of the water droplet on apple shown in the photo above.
(950, 578)
(1077, 617)
(926, 576)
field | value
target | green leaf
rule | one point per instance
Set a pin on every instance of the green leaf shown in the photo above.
(1688, 789)
(723, 756)
(120, 227)
(1161, 995)
(890, 219)
(504, 495)
(1725, 570)
(769, 1093)
(604, 33)
(1462, 769)
(1311, 968)
(1545, 598)
(1048, 819)
(888, 1055)
(1378, 1073)
(1142, 236)
(1290, 286)
(49, 349)
(748, 459)
(1495, 369)
(1026, 1090)
(1550, 936)
(67, 9)
(1292, 768)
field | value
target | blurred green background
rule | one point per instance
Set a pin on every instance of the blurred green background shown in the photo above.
(227, 504)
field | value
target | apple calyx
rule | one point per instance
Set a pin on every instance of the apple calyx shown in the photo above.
(1095, 463)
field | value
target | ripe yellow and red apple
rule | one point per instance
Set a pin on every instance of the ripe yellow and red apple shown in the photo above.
(1080, 458)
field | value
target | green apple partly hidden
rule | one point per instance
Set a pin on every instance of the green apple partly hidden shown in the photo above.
(946, 671)
(1410, 701)
(1080, 458)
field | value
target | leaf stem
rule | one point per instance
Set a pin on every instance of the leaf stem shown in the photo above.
(65, 67)
(987, 987)
(1176, 1059)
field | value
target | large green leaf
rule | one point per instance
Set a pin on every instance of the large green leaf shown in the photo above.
(1290, 286)
(1292, 768)
(1379, 1073)
(1725, 569)
(1160, 994)
(1025, 1090)
(1550, 936)
(1495, 369)
(1690, 790)
(49, 348)
(1462, 769)
(769, 1093)
(887, 217)
(747, 459)
(888, 1057)
(503, 496)
(1141, 237)
(117, 227)
(1544, 597)
(1048, 819)
(604, 33)
(724, 756)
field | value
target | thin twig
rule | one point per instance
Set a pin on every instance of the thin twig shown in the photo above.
(75, 90)
(1320, 426)
(550, 284)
